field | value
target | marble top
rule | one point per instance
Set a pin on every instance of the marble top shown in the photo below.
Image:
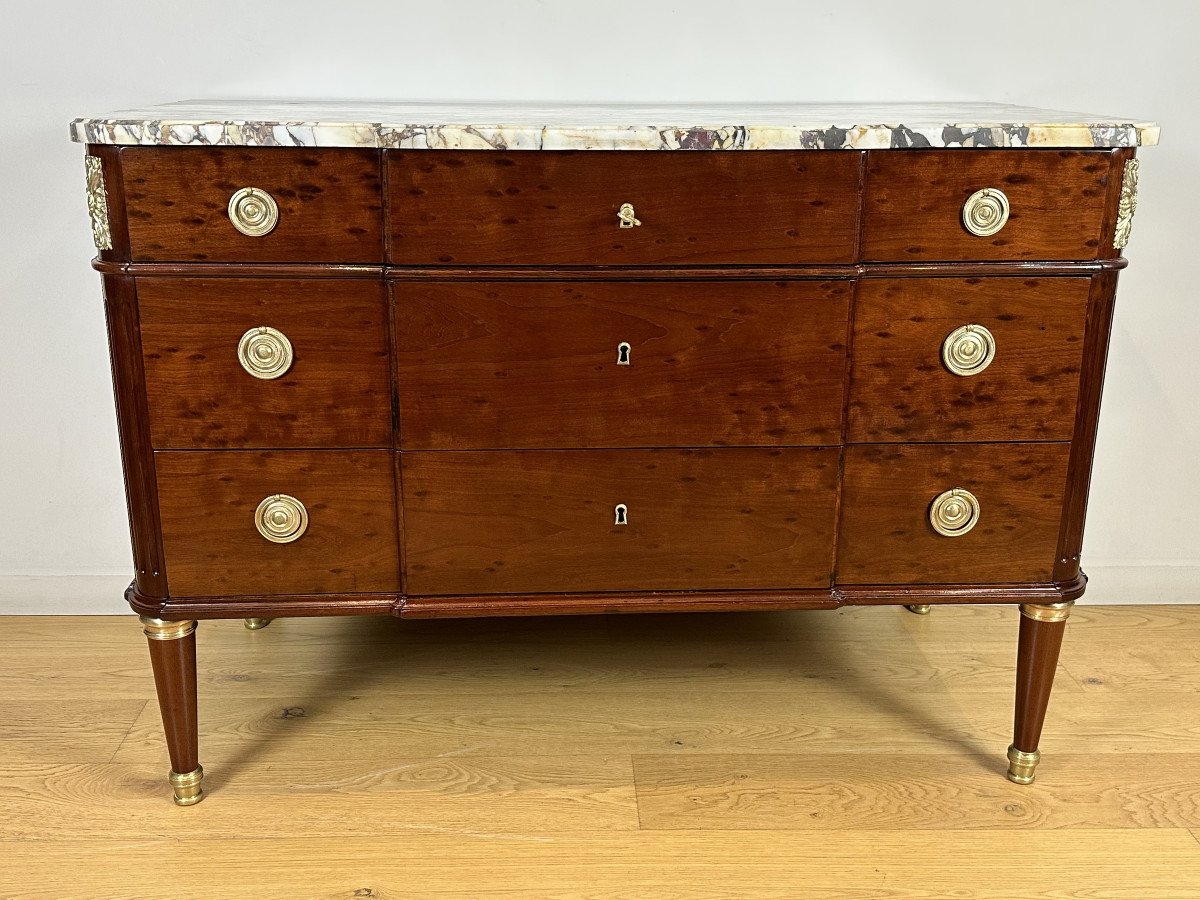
(542, 126)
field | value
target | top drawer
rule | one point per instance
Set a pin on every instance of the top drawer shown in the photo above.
(241, 204)
(930, 205)
(562, 208)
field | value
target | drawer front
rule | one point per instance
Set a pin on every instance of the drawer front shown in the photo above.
(186, 203)
(210, 505)
(546, 521)
(233, 362)
(1056, 200)
(615, 364)
(889, 498)
(563, 208)
(921, 369)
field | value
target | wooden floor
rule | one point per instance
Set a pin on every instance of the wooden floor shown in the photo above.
(857, 753)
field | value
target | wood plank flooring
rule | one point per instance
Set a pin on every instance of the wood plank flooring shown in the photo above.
(847, 754)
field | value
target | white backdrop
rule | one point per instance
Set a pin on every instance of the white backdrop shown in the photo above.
(63, 533)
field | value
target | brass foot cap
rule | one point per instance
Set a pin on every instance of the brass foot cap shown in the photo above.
(1021, 765)
(254, 624)
(921, 609)
(187, 786)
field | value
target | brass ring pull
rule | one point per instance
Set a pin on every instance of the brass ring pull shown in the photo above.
(968, 350)
(253, 211)
(281, 518)
(265, 353)
(954, 512)
(985, 212)
(627, 216)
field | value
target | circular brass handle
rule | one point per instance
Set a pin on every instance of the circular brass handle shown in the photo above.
(968, 350)
(253, 211)
(985, 212)
(265, 352)
(954, 512)
(281, 518)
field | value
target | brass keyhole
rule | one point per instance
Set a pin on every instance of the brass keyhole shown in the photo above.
(621, 514)
(623, 351)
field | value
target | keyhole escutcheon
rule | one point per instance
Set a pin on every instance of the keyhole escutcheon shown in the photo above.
(623, 351)
(621, 514)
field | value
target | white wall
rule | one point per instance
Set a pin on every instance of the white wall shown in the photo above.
(63, 535)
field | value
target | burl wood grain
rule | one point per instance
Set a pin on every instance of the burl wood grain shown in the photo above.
(330, 203)
(914, 201)
(465, 208)
(521, 364)
(901, 391)
(336, 393)
(886, 493)
(208, 499)
(543, 521)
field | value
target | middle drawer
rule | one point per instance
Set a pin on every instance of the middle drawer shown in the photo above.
(532, 365)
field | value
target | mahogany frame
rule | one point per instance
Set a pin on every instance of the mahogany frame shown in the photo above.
(1045, 605)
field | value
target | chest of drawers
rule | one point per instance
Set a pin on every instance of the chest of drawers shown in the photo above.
(477, 368)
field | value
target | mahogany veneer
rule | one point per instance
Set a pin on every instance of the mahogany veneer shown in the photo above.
(901, 390)
(752, 208)
(1020, 487)
(337, 392)
(507, 397)
(479, 365)
(545, 521)
(329, 203)
(1062, 204)
(208, 498)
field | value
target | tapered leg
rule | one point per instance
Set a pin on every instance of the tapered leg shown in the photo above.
(254, 623)
(173, 657)
(1042, 628)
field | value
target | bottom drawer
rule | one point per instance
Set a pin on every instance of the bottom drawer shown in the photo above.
(549, 521)
(212, 504)
(1004, 530)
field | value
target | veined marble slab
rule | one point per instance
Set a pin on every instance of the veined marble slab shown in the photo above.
(540, 126)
